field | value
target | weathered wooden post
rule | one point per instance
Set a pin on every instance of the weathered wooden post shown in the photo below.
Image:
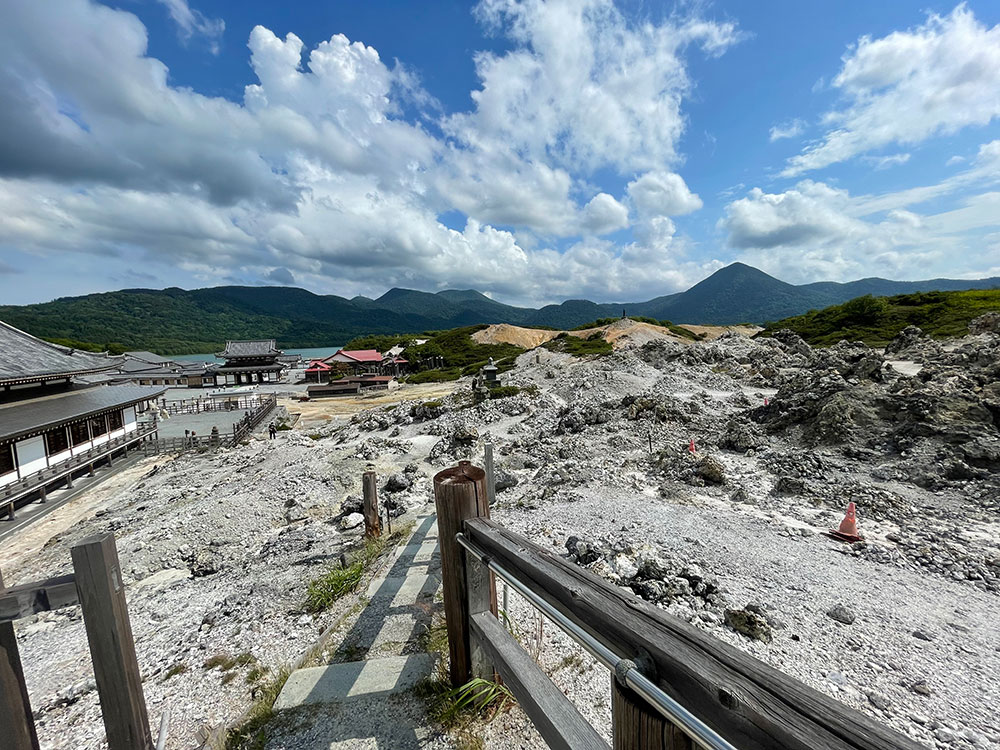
(109, 632)
(369, 486)
(469, 589)
(15, 709)
(491, 483)
(635, 725)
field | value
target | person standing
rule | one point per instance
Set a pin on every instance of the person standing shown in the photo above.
(272, 430)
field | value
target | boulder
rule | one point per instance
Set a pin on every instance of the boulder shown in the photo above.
(985, 323)
(711, 470)
(398, 483)
(352, 521)
(753, 625)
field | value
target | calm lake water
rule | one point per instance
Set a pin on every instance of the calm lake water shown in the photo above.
(307, 354)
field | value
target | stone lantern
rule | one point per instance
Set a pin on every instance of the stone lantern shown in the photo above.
(490, 374)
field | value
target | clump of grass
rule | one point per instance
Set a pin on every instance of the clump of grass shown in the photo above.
(478, 698)
(338, 582)
(329, 587)
(253, 733)
(256, 674)
(315, 436)
(228, 663)
(176, 669)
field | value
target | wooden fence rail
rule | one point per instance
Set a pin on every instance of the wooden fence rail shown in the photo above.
(96, 584)
(715, 693)
(200, 405)
(240, 431)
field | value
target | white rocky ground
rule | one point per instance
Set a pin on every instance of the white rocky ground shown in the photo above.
(217, 549)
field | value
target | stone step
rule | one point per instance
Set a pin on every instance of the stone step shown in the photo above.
(337, 683)
(417, 587)
(420, 552)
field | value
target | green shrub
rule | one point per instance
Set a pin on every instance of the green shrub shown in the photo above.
(876, 320)
(504, 391)
(593, 345)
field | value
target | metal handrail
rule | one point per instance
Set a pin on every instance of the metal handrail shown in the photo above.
(625, 670)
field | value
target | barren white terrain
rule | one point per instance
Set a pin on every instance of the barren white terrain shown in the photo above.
(594, 460)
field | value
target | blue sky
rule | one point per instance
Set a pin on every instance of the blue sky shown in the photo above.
(534, 150)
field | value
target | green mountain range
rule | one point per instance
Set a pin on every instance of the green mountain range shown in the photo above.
(177, 321)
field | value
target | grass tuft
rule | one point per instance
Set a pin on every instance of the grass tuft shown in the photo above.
(337, 582)
(253, 733)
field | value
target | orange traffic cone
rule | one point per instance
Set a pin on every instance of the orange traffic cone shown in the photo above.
(691, 448)
(848, 531)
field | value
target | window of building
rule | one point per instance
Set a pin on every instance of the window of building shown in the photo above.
(79, 433)
(7, 464)
(115, 421)
(56, 441)
(98, 425)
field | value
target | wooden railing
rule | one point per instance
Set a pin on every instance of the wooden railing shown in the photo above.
(64, 469)
(200, 405)
(96, 585)
(673, 686)
(241, 430)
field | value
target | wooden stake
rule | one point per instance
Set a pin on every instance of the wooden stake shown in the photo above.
(469, 588)
(109, 632)
(369, 486)
(15, 709)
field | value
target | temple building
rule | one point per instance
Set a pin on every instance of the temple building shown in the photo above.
(57, 418)
(355, 361)
(249, 362)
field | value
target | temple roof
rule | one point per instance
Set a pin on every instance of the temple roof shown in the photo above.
(25, 358)
(36, 414)
(256, 348)
(357, 355)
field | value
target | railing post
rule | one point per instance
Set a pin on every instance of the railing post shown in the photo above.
(635, 725)
(369, 487)
(469, 589)
(491, 481)
(15, 708)
(105, 616)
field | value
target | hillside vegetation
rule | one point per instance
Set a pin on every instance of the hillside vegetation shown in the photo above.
(876, 320)
(462, 354)
(178, 321)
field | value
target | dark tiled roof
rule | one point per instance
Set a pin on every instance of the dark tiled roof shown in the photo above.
(137, 365)
(249, 368)
(25, 417)
(153, 359)
(24, 357)
(261, 348)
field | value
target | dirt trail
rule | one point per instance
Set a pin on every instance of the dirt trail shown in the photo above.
(322, 411)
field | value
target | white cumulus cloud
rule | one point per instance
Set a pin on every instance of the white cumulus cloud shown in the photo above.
(318, 176)
(907, 86)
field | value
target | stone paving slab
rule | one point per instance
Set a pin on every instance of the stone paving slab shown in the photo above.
(339, 682)
(405, 590)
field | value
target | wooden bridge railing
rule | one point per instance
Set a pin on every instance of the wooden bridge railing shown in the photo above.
(96, 585)
(673, 686)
